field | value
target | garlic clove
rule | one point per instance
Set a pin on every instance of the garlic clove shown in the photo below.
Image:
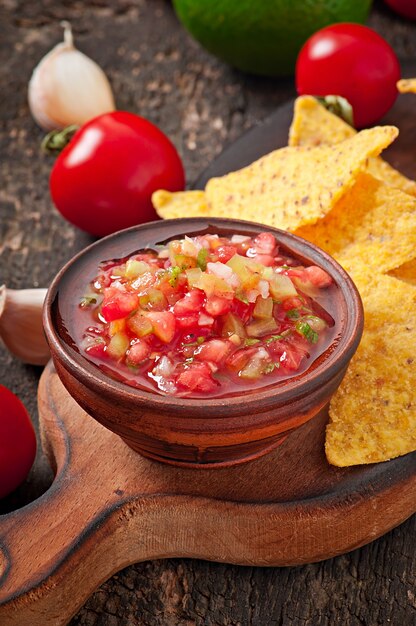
(67, 87)
(21, 327)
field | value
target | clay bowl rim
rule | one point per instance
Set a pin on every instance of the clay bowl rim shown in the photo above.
(272, 396)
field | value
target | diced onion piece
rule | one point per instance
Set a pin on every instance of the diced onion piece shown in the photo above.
(256, 366)
(205, 320)
(263, 287)
(190, 247)
(239, 238)
(252, 295)
(163, 254)
(164, 367)
(220, 269)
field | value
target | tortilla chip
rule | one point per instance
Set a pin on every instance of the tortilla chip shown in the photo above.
(373, 223)
(373, 413)
(314, 125)
(407, 85)
(406, 272)
(291, 187)
(169, 204)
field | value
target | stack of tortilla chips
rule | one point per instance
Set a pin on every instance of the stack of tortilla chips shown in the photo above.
(331, 187)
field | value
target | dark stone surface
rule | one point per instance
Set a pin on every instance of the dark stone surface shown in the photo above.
(157, 71)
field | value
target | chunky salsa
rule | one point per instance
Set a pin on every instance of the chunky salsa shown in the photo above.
(206, 315)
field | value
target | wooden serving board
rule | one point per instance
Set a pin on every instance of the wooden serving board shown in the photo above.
(109, 507)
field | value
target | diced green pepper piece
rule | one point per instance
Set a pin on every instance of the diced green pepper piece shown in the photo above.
(135, 268)
(184, 262)
(263, 308)
(201, 259)
(281, 287)
(193, 276)
(174, 273)
(260, 328)
(232, 325)
(119, 344)
(140, 325)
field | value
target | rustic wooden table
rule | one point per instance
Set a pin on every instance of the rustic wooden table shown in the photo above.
(159, 72)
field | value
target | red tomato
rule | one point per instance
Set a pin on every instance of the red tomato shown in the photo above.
(407, 8)
(17, 442)
(352, 61)
(117, 304)
(214, 350)
(197, 377)
(104, 178)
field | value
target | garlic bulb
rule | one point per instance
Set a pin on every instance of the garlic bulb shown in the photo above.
(21, 327)
(67, 87)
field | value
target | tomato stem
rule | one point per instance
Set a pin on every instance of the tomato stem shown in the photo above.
(56, 140)
(338, 106)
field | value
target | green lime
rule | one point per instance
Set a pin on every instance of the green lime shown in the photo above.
(263, 36)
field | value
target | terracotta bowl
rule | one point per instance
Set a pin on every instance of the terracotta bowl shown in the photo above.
(194, 432)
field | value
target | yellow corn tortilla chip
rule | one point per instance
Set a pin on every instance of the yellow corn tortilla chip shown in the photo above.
(291, 187)
(373, 413)
(406, 271)
(372, 224)
(407, 85)
(314, 125)
(171, 205)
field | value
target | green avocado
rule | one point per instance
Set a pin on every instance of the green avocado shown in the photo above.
(263, 36)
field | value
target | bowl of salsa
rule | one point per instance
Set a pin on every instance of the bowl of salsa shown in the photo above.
(202, 342)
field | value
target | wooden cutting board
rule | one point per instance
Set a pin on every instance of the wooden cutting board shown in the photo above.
(109, 507)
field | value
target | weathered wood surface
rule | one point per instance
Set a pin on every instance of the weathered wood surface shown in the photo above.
(157, 71)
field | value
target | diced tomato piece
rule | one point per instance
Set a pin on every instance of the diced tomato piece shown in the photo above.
(205, 320)
(187, 321)
(291, 303)
(286, 354)
(96, 349)
(197, 377)
(138, 352)
(242, 310)
(216, 305)
(225, 253)
(318, 276)
(214, 350)
(240, 358)
(118, 304)
(294, 272)
(265, 243)
(164, 325)
(265, 259)
(192, 302)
